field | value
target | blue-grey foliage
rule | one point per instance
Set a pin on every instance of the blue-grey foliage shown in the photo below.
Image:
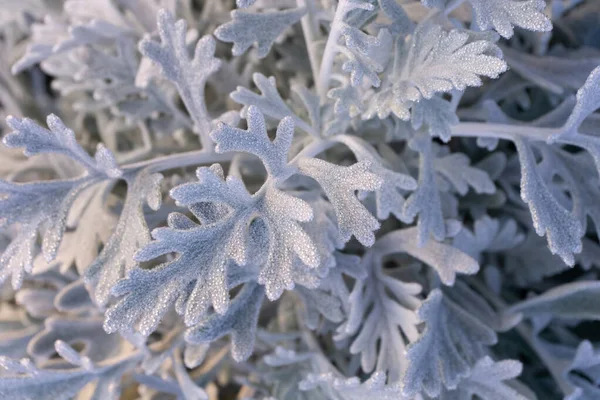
(300, 199)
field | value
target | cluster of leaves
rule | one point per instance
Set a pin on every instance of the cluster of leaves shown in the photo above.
(308, 199)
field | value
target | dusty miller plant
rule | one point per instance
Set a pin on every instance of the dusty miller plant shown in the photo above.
(300, 199)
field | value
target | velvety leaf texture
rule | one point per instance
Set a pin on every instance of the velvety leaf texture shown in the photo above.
(452, 345)
(262, 29)
(300, 199)
(188, 74)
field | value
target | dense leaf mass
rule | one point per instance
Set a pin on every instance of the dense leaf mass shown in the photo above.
(300, 199)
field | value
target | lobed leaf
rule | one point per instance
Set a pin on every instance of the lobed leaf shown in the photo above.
(447, 348)
(576, 300)
(561, 228)
(60, 140)
(339, 184)
(240, 322)
(188, 74)
(256, 141)
(486, 381)
(374, 388)
(260, 28)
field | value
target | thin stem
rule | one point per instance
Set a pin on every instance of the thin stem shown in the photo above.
(146, 137)
(456, 98)
(453, 6)
(315, 147)
(501, 131)
(179, 160)
(193, 100)
(308, 29)
(109, 364)
(331, 49)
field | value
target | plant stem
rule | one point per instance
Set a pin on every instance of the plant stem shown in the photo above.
(315, 147)
(331, 49)
(179, 160)
(308, 29)
(453, 6)
(502, 131)
(194, 102)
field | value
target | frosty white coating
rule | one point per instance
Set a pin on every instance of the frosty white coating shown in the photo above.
(299, 199)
